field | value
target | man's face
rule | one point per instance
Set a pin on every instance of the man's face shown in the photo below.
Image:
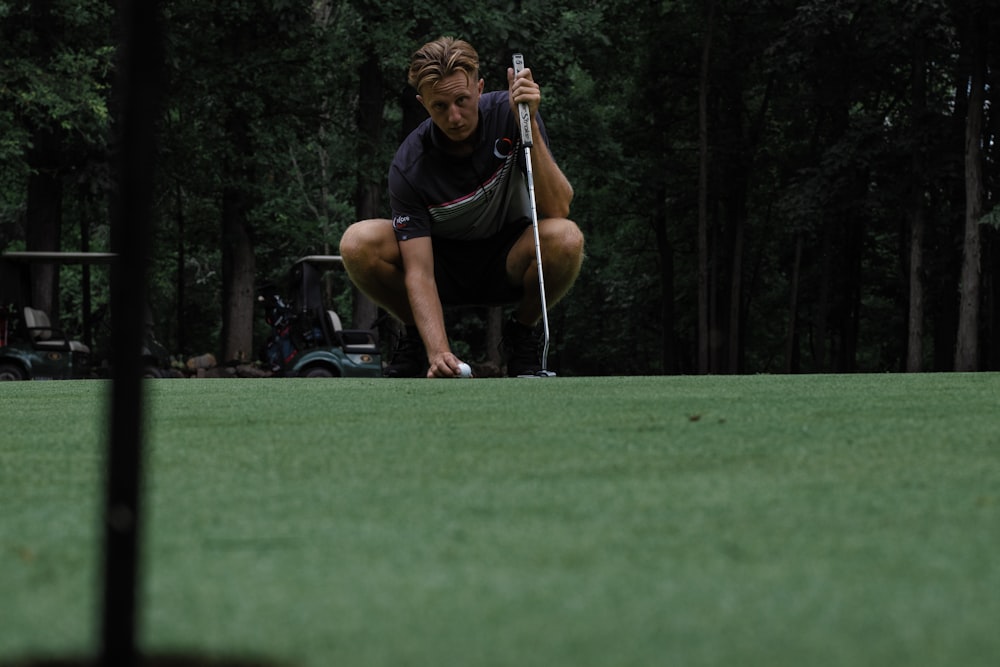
(453, 105)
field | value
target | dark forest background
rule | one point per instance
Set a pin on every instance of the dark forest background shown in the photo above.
(766, 186)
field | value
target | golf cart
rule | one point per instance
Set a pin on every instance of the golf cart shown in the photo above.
(307, 338)
(31, 346)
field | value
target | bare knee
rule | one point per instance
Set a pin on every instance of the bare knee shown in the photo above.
(563, 238)
(366, 243)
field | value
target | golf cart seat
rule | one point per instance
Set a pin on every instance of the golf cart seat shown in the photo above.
(355, 341)
(45, 337)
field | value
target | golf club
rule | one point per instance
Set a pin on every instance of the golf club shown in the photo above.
(524, 115)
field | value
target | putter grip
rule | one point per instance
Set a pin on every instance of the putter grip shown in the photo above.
(524, 114)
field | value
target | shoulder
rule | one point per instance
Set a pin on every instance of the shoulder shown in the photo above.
(413, 148)
(497, 101)
(495, 97)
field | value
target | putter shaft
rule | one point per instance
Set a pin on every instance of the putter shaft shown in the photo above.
(524, 116)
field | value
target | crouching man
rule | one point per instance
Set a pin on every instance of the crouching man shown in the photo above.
(461, 231)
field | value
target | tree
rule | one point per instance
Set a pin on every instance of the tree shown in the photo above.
(834, 200)
(238, 83)
(915, 320)
(57, 58)
(967, 345)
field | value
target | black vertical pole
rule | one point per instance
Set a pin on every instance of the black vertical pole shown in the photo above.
(134, 150)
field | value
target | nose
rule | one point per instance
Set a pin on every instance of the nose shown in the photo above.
(454, 114)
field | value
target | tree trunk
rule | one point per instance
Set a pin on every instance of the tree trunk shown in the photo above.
(238, 263)
(43, 217)
(739, 173)
(991, 307)
(820, 335)
(945, 235)
(238, 274)
(850, 310)
(792, 336)
(181, 295)
(43, 212)
(915, 322)
(665, 252)
(736, 295)
(991, 255)
(967, 342)
(494, 325)
(704, 332)
(369, 179)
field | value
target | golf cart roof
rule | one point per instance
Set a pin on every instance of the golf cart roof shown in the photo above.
(322, 260)
(16, 269)
(45, 256)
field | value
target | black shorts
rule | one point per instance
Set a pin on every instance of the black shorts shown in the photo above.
(475, 272)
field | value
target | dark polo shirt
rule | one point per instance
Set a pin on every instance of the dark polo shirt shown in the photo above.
(436, 194)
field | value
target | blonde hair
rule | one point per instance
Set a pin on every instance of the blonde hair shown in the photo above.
(441, 58)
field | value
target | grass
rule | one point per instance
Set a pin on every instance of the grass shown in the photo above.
(759, 520)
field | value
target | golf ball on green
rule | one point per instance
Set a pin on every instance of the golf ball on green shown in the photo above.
(464, 370)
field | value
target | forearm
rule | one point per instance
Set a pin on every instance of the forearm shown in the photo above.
(553, 191)
(428, 315)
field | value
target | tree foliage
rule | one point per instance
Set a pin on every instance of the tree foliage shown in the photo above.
(765, 187)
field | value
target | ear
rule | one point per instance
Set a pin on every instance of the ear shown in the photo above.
(420, 99)
(482, 82)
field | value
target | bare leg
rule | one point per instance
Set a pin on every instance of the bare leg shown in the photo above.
(373, 262)
(562, 255)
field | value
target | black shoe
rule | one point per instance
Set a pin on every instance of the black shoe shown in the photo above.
(409, 359)
(519, 347)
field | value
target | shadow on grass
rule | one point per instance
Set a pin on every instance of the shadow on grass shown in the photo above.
(166, 660)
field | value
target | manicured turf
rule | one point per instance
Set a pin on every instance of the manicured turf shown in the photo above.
(765, 520)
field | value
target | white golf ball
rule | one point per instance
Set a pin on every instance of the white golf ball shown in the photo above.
(464, 370)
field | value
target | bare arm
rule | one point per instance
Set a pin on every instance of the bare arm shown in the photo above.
(553, 192)
(428, 315)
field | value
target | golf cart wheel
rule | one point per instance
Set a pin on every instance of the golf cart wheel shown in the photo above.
(151, 372)
(11, 372)
(318, 372)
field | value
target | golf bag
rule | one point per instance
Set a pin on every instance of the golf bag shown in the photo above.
(289, 334)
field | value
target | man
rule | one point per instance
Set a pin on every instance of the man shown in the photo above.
(461, 227)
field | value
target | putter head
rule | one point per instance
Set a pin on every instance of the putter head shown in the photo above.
(539, 374)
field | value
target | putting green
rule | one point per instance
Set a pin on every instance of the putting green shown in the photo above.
(759, 520)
